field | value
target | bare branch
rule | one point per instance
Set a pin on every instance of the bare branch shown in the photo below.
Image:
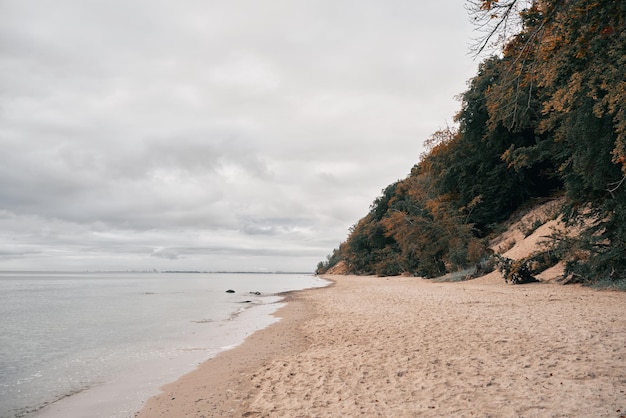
(497, 21)
(612, 187)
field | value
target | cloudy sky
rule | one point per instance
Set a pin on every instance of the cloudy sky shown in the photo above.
(212, 135)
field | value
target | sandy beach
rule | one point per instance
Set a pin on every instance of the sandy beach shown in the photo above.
(406, 347)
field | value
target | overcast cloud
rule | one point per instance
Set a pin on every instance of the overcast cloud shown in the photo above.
(212, 135)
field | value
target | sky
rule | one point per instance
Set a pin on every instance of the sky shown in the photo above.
(239, 135)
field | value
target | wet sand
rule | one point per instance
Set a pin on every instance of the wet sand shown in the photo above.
(408, 347)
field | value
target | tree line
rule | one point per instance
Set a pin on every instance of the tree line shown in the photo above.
(544, 115)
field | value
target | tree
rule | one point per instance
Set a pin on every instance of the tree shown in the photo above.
(546, 113)
(567, 65)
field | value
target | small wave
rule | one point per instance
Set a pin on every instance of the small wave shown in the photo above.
(23, 412)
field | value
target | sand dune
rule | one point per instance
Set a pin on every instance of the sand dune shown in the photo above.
(407, 347)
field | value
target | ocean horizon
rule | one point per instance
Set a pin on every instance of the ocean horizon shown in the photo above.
(100, 343)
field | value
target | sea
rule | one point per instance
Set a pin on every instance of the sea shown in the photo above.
(100, 344)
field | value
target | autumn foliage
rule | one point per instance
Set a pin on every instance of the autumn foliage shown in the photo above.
(544, 115)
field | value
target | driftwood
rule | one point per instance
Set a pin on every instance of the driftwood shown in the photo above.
(572, 278)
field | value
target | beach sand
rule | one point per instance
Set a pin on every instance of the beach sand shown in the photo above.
(406, 347)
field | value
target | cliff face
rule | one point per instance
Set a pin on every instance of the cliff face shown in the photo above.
(338, 269)
(530, 236)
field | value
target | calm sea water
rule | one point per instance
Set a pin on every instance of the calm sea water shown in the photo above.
(99, 344)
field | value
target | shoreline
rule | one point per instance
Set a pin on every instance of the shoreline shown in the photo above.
(199, 333)
(218, 387)
(405, 347)
(127, 391)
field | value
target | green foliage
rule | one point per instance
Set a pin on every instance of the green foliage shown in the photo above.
(515, 271)
(548, 114)
(599, 253)
(582, 76)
